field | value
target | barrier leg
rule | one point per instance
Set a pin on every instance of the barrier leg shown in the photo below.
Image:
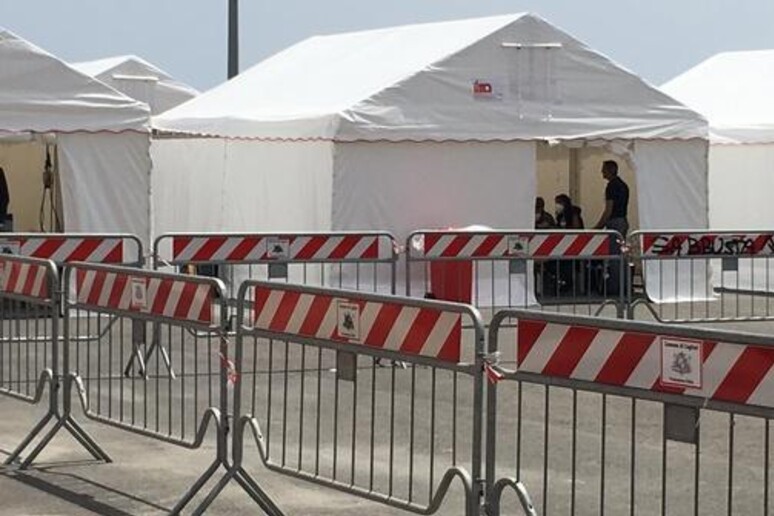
(198, 485)
(252, 488)
(85, 440)
(27, 440)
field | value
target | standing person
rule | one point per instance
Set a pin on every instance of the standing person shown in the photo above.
(5, 199)
(543, 219)
(568, 216)
(615, 216)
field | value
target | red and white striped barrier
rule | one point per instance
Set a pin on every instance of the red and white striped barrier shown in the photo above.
(24, 278)
(179, 299)
(515, 245)
(719, 371)
(65, 249)
(260, 248)
(391, 326)
(706, 244)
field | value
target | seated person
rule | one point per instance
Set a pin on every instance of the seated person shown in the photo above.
(568, 216)
(543, 219)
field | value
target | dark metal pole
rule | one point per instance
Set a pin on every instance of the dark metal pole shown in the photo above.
(233, 38)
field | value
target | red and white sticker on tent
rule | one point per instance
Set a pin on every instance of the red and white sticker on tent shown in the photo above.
(488, 89)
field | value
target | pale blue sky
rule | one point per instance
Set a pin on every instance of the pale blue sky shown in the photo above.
(656, 38)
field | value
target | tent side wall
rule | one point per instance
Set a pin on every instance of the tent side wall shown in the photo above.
(672, 185)
(232, 185)
(406, 186)
(105, 182)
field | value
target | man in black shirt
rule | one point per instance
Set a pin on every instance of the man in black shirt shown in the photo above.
(616, 201)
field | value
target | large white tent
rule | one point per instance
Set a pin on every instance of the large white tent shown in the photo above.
(101, 137)
(431, 125)
(140, 80)
(733, 90)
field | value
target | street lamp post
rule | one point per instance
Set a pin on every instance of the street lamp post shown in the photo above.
(233, 38)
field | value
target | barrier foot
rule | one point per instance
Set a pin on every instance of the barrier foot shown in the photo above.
(252, 488)
(198, 485)
(136, 355)
(85, 440)
(27, 440)
(202, 508)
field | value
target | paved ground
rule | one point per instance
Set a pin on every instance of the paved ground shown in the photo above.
(148, 477)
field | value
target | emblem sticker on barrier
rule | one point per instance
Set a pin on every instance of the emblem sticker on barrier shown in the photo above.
(348, 320)
(386, 325)
(278, 248)
(10, 246)
(518, 246)
(139, 294)
(681, 362)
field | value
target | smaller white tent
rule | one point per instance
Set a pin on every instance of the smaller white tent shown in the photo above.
(140, 80)
(735, 92)
(101, 138)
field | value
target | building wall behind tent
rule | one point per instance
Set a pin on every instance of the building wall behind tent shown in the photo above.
(232, 185)
(588, 189)
(23, 164)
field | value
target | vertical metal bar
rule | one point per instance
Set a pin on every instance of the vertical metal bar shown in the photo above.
(663, 466)
(603, 450)
(546, 424)
(335, 426)
(411, 432)
(319, 401)
(574, 451)
(301, 411)
(431, 484)
(285, 375)
(697, 472)
(766, 462)
(731, 427)
(633, 458)
(354, 426)
(392, 431)
(373, 424)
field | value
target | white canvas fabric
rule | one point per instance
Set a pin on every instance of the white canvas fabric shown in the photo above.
(102, 136)
(542, 83)
(733, 91)
(140, 80)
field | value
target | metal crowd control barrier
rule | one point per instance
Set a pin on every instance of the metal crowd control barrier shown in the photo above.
(566, 271)
(695, 276)
(619, 417)
(321, 407)
(358, 261)
(63, 248)
(187, 313)
(29, 347)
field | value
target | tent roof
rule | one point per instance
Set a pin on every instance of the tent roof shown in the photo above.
(733, 90)
(417, 82)
(123, 72)
(41, 93)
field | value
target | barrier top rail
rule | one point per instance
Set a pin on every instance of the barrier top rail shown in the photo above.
(724, 368)
(61, 248)
(409, 326)
(668, 244)
(510, 244)
(255, 248)
(148, 295)
(29, 278)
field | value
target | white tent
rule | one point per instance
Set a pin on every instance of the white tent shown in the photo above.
(733, 90)
(430, 125)
(102, 140)
(140, 80)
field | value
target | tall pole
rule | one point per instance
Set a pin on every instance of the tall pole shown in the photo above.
(233, 38)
